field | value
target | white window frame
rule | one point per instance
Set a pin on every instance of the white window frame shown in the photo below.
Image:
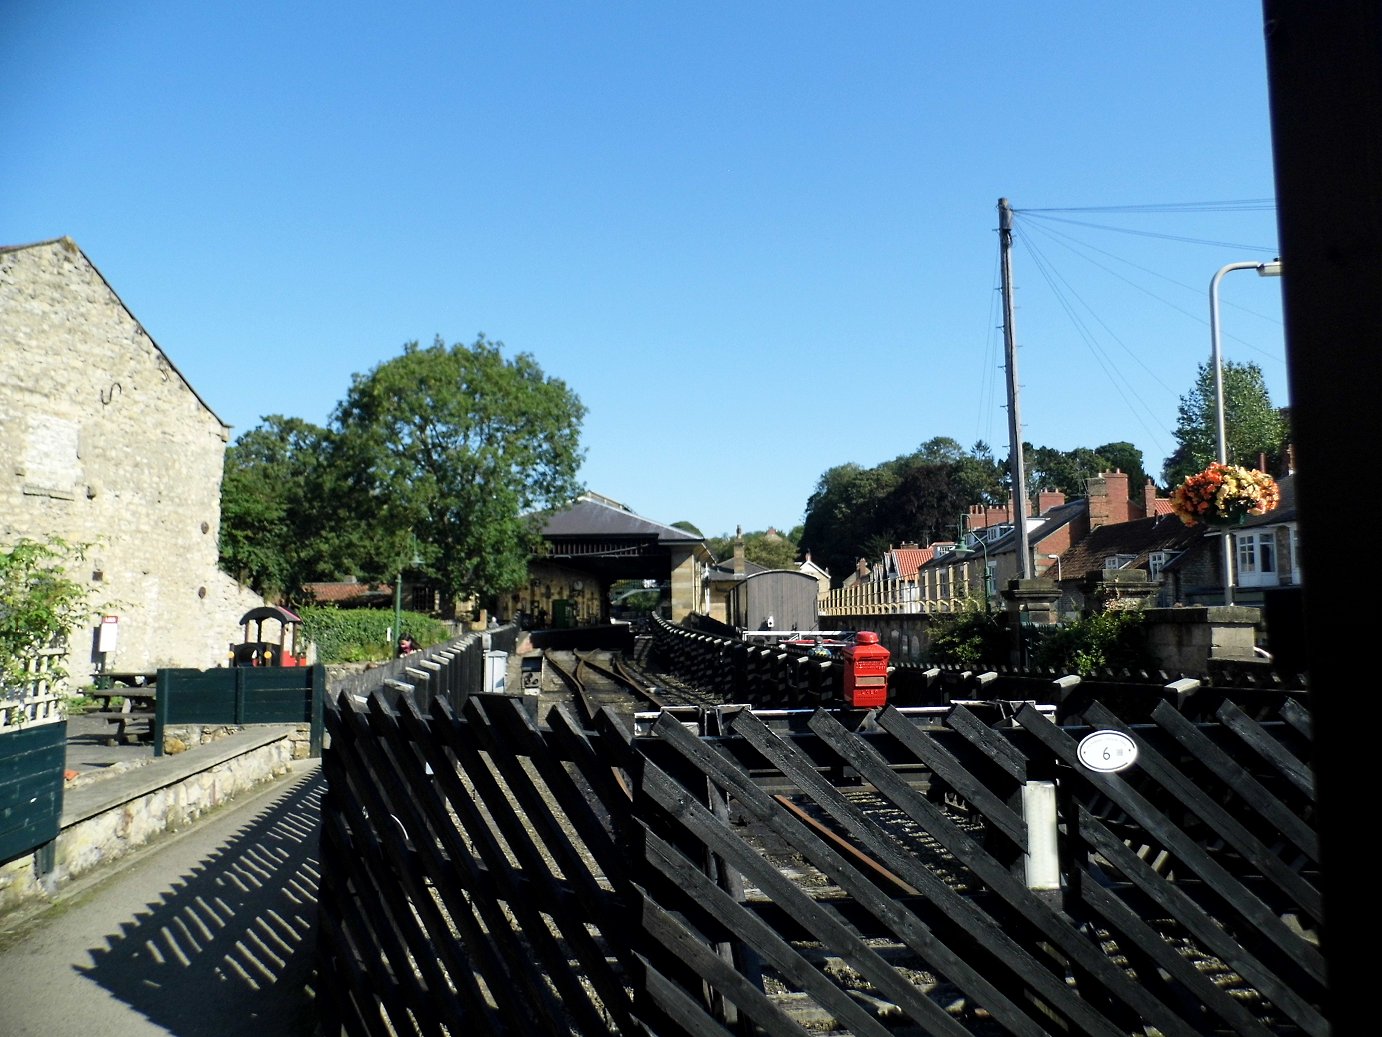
(1257, 567)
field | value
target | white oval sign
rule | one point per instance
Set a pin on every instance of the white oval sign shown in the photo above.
(1107, 751)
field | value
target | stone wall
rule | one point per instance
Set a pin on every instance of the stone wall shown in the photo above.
(112, 817)
(104, 443)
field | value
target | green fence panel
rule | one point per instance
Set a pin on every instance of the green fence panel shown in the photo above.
(241, 695)
(32, 759)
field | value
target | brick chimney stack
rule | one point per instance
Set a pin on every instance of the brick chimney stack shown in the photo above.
(1108, 499)
(1049, 499)
(739, 561)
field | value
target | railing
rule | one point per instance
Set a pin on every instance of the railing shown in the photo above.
(39, 699)
(884, 597)
(482, 874)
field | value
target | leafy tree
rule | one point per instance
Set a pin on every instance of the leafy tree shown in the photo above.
(768, 548)
(1253, 425)
(1068, 470)
(282, 520)
(1124, 457)
(456, 448)
(39, 605)
(688, 527)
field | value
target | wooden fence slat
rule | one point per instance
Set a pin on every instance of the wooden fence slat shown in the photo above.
(537, 820)
(1218, 818)
(989, 742)
(662, 927)
(1297, 772)
(1298, 717)
(1200, 925)
(530, 1004)
(825, 925)
(953, 773)
(1237, 778)
(902, 922)
(763, 937)
(416, 918)
(1121, 919)
(1246, 903)
(999, 879)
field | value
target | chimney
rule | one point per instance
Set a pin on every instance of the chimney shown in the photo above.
(739, 551)
(1149, 498)
(1049, 499)
(1096, 489)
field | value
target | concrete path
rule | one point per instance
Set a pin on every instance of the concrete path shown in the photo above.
(208, 932)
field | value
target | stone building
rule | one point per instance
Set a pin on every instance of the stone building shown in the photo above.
(105, 443)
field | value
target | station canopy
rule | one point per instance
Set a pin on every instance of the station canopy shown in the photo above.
(606, 539)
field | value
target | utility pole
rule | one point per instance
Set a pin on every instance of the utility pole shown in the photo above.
(1017, 469)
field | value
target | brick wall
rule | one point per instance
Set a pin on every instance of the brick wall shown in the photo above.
(104, 443)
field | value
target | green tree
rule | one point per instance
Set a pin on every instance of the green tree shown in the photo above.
(39, 605)
(453, 450)
(1253, 425)
(282, 521)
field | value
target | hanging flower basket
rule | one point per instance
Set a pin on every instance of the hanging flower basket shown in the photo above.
(1224, 495)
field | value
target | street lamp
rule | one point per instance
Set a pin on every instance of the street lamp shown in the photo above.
(398, 597)
(1272, 269)
(964, 553)
(1056, 558)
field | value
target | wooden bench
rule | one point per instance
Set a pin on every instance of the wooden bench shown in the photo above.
(135, 714)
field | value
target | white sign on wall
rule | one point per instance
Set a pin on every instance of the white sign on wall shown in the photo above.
(106, 638)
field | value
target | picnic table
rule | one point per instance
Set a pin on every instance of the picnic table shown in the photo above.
(136, 707)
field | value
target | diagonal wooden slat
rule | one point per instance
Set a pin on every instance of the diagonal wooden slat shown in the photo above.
(1297, 772)
(1052, 924)
(978, 926)
(1243, 901)
(1200, 925)
(832, 932)
(1190, 795)
(1298, 717)
(762, 936)
(1237, 777)
(948, 768)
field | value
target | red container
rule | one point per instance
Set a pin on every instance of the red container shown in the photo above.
(866, 671)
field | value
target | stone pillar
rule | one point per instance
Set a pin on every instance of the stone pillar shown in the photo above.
(1029, 603)
(1184, 640)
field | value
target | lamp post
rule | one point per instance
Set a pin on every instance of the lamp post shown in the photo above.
(398, 597)
(1056, 558)
(964, 553)
(1272, 269)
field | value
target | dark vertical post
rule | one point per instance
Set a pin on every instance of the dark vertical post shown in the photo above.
(315, 738)
(1324, 71)
(163, 697)
(241, 673)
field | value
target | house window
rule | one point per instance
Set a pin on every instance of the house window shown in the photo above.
(1158, 560)
(1118, 561)
(1257, 559)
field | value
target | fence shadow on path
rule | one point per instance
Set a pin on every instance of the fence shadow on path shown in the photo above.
(228, 949)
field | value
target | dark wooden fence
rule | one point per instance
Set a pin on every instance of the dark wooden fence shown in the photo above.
(484, 874)
(32, 758)
(241, 695)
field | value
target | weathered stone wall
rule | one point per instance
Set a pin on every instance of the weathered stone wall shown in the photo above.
(102, 442)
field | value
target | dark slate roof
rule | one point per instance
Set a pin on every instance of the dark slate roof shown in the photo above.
(587, 517)
(1138, 538)
(724, 573)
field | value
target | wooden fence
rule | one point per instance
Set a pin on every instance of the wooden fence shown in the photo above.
(31, 765)
(859, 873)
(241, 695)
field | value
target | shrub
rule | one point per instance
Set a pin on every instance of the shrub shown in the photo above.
(363, 635)
(968, 638)
(1116, 639)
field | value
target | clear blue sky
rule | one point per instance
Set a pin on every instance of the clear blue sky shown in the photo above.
(757, 239)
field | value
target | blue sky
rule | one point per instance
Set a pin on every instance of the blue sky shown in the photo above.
(757, 239)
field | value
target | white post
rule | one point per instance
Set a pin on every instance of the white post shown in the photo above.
(1039, 810)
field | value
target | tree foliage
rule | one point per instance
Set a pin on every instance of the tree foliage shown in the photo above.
(857, 512)
(39, 604)
(1069, 470)
(446, 453)
(1253, 425)
(766, 547)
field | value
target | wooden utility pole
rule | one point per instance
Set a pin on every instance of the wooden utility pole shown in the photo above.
(1017, 469)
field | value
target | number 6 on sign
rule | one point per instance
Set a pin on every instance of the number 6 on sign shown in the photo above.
(1107, 751)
